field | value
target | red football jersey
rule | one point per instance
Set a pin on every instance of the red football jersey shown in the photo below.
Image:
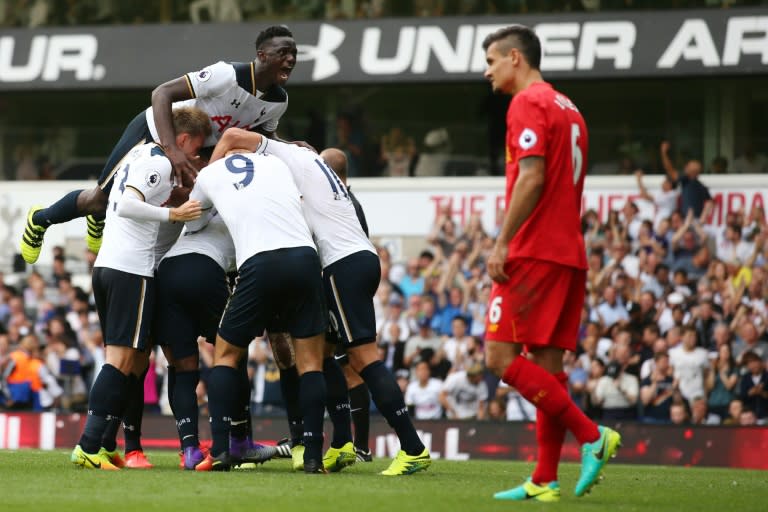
(543, 122)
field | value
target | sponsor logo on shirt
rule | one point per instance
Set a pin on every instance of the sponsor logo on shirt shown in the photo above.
(527, 139)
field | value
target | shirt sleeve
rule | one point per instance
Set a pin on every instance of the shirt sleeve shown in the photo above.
(151, 178)
(270, 125)
(527, 125)
(211, 81)
(132, 207)
(199, 194)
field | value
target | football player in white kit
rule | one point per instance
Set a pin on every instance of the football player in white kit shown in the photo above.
(123, 285)
(278, 289)
(351, 275)
(249, 95)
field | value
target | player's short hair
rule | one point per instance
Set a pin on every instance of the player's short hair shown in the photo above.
(270, 33)
(191, 120)
(517, 36)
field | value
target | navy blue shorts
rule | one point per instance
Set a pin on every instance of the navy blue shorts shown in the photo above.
(191, 293)
(277, 291)
(137, 132)
(350, 285)
(125, 303)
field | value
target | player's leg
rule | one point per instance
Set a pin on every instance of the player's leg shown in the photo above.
(117, 295)
(82, 202)
(341, 452)
(522, 311)
(360, 409)
(285, 358)
(245, 317)
(134, 415)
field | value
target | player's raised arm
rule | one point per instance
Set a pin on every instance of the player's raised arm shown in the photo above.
(236, 138)
(162, 99)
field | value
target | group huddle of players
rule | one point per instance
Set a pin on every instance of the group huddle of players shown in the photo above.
(277, 214)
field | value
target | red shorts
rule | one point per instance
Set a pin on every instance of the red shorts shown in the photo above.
(540, 305)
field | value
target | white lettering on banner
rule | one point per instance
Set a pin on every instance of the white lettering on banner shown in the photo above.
(736, 42)
(3, 420)
(434, 40)
(692, 42)
(611, 40)
(49, 56)
(371, 63)
(558, 51)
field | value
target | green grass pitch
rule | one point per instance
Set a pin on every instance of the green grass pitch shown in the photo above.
(36, 480)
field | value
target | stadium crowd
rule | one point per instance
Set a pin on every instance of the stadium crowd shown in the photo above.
(673, 331)
(37, 13)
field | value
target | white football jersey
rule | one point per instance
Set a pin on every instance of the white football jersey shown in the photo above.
(329, 209)
(227, 93)
(258, 200)
(129, 245)
(212, 240)
(166, 237)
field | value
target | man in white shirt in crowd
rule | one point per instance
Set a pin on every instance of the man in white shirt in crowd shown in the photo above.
(465, 394)
(690, 364)
(423, 394)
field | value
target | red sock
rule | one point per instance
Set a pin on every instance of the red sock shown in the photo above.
(542, 389)
(550, 434)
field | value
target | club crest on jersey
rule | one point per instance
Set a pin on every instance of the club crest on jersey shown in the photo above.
(527, 139)
(204, 75)
(153, 178)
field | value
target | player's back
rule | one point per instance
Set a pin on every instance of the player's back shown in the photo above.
(213, 240)
(259, 202)
(545, 123)
(328, 204)
(129, 245)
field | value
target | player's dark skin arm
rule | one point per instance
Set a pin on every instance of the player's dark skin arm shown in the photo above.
(525, 197)
(162, 98)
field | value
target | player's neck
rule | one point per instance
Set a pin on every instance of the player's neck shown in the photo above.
(262, 79)
(531, 77)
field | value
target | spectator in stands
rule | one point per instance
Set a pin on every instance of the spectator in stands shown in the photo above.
(423, 394)
(700, 415)
(691, 365)
(721, 381)
(611, 311)
(22, 374)
(465, 393)
(391, 343)
(734, 411)
(425, 346)
(413, 282)
(748, 418)
(678, 414)
(450, 308)
(750, 162)
(749, 341)
(657, 390)
(617, 391)
(664, 201)
(219, 11)
(694, 194)
(753, 390)
(435, 153)
(397, 153)
(458, 346)
(444, 234)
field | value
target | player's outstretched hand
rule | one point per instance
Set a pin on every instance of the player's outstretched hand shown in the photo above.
(184, 169)
(496, 263)
(303, 144)
(191, 210)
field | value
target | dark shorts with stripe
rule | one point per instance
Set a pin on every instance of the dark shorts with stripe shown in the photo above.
(137, 132)
(191, 292)
(350, 285)
(280, 291)
(125, 303)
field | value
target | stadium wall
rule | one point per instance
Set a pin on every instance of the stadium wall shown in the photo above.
(737, 447)
(398, 209)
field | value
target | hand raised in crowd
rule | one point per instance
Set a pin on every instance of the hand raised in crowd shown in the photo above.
(665, 145)
(191, 210)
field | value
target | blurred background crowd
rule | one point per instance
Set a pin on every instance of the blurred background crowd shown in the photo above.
(673, 328)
